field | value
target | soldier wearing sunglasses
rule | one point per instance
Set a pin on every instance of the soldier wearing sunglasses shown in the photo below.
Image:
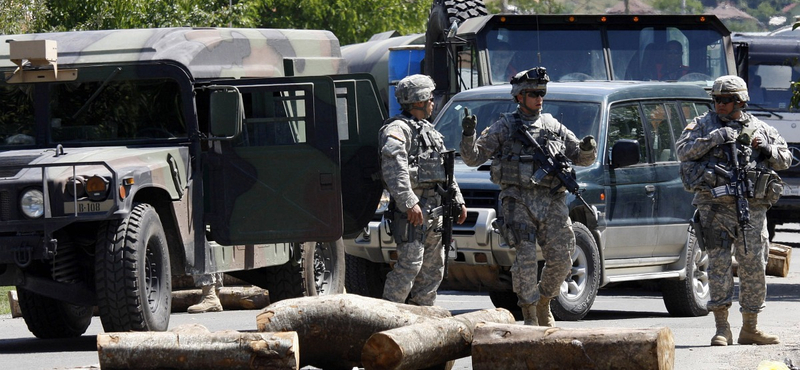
(531, 211)
(710, 148)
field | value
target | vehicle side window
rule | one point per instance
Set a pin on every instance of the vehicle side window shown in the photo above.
(692, 110)
(274, 118)
(661, 118)
(625, 122)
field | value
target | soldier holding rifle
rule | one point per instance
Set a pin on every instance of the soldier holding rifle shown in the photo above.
(728, 159)
(533, 193)
(413, 170)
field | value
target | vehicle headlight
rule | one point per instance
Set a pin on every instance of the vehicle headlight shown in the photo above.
(96, 188)
(32, 203)
(383, 204)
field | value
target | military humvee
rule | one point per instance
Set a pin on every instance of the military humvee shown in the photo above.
(130, 156)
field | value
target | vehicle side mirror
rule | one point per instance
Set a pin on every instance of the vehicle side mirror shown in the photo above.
(625, 152)
(226, 114)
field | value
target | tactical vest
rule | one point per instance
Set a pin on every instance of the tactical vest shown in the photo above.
(514, 166)
(425, 163)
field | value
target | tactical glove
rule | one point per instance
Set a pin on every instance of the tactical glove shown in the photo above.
(468, 123)
(588, 143)
(722, 135)
(765, 148)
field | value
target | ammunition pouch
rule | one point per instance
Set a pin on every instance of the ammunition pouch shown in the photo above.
(767, 185)
(428, 172)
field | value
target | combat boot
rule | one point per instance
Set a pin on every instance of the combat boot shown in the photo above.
(210, 302)
(750, 333)
(529, 315)
(723, 337)
(543, 314)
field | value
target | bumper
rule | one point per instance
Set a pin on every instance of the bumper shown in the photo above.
(475, 242)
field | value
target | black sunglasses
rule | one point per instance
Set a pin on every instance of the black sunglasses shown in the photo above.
(724, 99)
(534, 93)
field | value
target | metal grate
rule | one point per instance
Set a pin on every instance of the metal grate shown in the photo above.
(480, 198)
(6, 206)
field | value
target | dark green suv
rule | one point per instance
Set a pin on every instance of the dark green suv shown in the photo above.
(638, 229)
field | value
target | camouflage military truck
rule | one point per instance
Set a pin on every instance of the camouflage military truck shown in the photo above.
(130, 156)
(464, 47)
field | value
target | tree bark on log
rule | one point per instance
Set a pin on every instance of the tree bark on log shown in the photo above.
(231, 298)
(430, 342)
(513, 347)
(193, 347)
(333, 329)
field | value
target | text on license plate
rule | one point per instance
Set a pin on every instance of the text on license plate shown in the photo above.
(790, 190)
(88, 207)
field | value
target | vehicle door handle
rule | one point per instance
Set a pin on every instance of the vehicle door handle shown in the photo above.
(650, 189)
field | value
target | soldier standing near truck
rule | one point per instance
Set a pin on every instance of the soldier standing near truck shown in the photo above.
(412, 166)
(532, 210)
(729, 158)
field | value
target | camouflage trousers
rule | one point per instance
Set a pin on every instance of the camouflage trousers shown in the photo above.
(724, 235)
(419, 269)
(535, 215)
(208, 279)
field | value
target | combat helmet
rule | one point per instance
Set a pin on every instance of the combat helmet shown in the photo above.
(535, 78)
(731, 85)
(414, 88)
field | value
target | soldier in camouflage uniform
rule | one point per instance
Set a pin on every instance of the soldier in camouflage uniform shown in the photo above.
(705, 149)
(412, 167)
(531, 212)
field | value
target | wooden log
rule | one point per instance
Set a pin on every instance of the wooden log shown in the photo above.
(232, 298)
(195, 348)
(778, 260)
(513, 347)
(333, 329)
(430, 342)
(13, 302)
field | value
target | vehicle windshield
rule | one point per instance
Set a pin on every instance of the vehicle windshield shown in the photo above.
(769, 82)
(582, 118)
(692, 53)
(105, 112)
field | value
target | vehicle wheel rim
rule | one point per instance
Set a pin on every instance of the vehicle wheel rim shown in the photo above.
(700, 274)
(575, 283)
(152, 275)
(323, 259)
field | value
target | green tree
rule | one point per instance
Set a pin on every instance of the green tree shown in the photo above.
(531, 6)
(350, 20)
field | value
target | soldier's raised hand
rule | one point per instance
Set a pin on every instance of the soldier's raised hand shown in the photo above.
(588, 143)
(468, 123)
(722, 135)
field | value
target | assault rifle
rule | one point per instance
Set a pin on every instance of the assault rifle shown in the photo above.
(740, 187)
(551, 163)
(450, 208)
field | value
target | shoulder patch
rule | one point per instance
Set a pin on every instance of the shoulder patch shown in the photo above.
(690, 126)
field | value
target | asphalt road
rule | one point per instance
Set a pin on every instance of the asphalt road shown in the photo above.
(628, 307)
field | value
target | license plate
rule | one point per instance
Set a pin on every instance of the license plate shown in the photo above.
(85, 206)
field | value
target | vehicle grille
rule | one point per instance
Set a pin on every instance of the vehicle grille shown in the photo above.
(6, 206)
(480, 198)
(794, 168)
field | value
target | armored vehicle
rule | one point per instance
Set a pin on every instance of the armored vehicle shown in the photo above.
(130, 156)
(637, 226)
(464, 48)
(770, 64)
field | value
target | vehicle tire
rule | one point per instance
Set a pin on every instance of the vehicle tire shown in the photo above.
(688, 297)
(49, 318)
(461, 10)
(507, 300)
(580, 288)
(325, 269)
(364, 277)
(132, 273)
(321, 274)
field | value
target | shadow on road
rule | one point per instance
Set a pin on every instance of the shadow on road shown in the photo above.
(86, 343)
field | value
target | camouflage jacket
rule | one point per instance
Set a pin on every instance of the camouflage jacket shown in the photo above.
(409, 155)
(699, 154)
